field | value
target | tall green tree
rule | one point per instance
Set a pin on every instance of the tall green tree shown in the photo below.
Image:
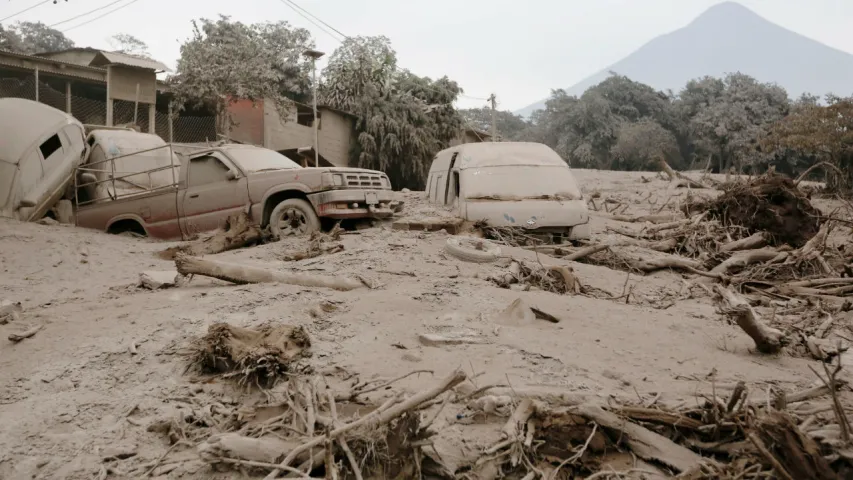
(402, 119)
(225, 61)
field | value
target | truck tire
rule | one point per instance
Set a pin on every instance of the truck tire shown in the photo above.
(293, 217)
(470, 249)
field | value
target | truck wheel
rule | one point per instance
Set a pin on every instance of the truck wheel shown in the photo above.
(293, 217)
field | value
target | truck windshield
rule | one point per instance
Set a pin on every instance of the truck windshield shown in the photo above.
(252, 160)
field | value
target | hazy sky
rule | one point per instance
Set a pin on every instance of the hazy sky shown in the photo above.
(517, 49)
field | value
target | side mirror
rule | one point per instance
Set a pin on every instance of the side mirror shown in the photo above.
(231, 175)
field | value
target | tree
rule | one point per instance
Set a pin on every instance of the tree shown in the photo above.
(9, 40)
(727, 123)
(226, 61)
(130, 45)
(510, 127)
(402, 119)
(642, 145)
(822, 133)
(36, 37)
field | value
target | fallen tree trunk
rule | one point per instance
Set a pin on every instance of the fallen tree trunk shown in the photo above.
(239, 232)
(745, 258)
(658, 246)
(241, 274)
(656, 219)
(646, 444)
(767, 339)
(754, 241)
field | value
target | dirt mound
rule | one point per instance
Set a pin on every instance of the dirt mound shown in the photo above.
(770, 203)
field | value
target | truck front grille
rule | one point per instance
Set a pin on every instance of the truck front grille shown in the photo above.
(362, 180)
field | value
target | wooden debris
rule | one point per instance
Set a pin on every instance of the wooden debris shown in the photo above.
(767, 339)
(17, 337)
(242, 274)
(450, 225)
(10, 311)
(240, 231)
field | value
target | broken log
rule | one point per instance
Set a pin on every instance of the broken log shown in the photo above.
(756, 240)
(242, 274)
(656, 219)
(663, 246)
(743, 259)
(644, 443)
(240, 231)
(767, 339)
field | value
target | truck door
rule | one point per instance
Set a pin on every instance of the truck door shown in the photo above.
(215, 190)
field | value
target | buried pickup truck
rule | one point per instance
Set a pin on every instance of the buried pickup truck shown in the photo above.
(135, 182)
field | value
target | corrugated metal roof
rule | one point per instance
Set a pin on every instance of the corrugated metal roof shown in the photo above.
(113, 58)
(13, 59)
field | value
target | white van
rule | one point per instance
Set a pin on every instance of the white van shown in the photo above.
(510, 184)
(40, 147)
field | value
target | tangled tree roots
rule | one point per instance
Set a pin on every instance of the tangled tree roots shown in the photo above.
(256, 357)
(770, 203)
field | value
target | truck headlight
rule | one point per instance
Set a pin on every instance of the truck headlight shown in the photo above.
(386, 183)
(338, 180)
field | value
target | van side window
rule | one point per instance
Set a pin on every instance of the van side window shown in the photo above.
(206, 169)
(50, 146)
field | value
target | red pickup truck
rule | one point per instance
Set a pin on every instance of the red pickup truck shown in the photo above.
(178, 196)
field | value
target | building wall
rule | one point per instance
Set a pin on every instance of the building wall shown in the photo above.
(334, 133)
(249, 122)
(123, 81)
(77, 58)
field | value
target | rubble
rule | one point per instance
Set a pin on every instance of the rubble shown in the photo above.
(595, 365)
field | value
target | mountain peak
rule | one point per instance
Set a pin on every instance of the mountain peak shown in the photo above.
(726, 13)
(728, 38)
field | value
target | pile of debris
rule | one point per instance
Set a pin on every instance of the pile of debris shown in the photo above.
(322, 426)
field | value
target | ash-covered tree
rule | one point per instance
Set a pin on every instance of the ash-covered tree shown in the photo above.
(402, 119)
(33, 37)
(510, 127)
(225, 61)
(9, 40)
(644, 145)
(731, 114)
(130, 45)
(818, 134)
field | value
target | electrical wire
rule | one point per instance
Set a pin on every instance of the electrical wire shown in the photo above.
(86, 13)
(24, 10)
(100, 16)
(296, 8)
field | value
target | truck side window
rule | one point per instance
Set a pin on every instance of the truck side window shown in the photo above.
(206, 169)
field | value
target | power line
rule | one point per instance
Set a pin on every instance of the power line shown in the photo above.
(100, 16)
(86, 13)
(293, 7)
(24, 10)
(296, 8)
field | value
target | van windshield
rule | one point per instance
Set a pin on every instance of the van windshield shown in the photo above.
(252, 160)
(520, 182)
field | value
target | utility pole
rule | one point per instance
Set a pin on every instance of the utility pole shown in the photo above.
(314, 55)
(494, 103)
